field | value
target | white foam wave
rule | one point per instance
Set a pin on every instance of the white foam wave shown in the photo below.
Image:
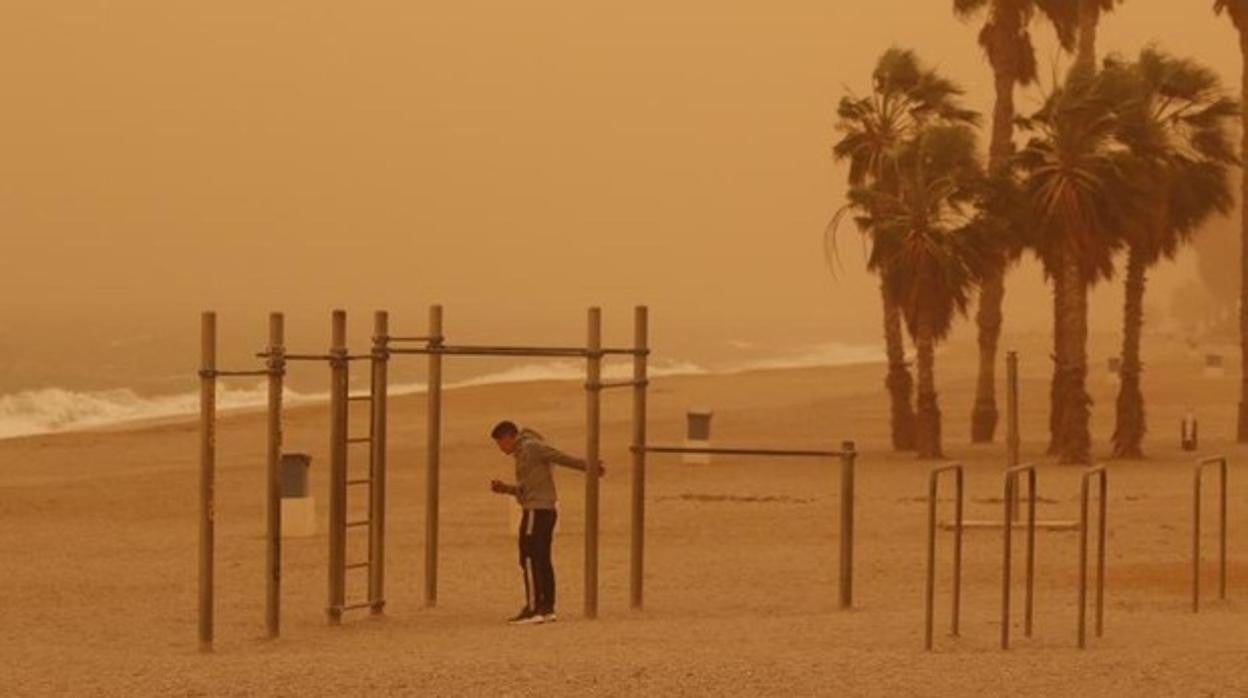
(50, 410)
(830, 354)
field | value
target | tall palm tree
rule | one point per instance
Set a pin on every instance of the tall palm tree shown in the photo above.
(1006, 40)
(1079, 188)
(1237, 10)
(1177, 123)
(1090, 12)
(929, 244)
(905, 97)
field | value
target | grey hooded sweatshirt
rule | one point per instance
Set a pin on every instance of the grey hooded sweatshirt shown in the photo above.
(535, 484)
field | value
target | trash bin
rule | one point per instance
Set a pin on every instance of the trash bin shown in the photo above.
(298, 504)
(698, 434)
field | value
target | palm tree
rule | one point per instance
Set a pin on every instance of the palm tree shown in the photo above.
(929, 244)
(1006, 40)
(1237, 10)
(1089, 18)
(1079, 188)
(905, 97)
(1177, 124)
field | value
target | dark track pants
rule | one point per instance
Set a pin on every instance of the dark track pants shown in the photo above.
(537, 530)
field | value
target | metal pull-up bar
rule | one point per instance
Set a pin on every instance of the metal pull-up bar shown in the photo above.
(847, 455)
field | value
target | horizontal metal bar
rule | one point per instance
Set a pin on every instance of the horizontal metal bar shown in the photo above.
(407, 339)
(357, 524)
(360, 440)
(358, 565)
(234, 374)
(1057, 525)
(553, 352)
(625, 351)
(359, 398)
(360, 481)
(741, 451)
(607, 385)
(355, 606)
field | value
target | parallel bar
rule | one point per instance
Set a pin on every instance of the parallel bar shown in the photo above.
(322, 357)
(387, 338)
(747, 452)
(559, 352)
(338, 391)
(273, 498)
(357, 524)
(1198, 474)
(433, 454)
(352, 607)
(359, 481)
(848, 456)
(932, 492)
(207, 474)
(360, 440)
(625, 351)
(239, 374)
(359, 398)
(1100, 474)
(1013, 438)
(607, 385)
(377, 461)
(637, 540)
(358, 565)
(1011, 485)
(593, 426)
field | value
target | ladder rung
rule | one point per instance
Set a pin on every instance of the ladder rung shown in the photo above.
(361, 481)
(360, 440)
(361, 522)
(358, 565)
(359, 398)
(355, 606)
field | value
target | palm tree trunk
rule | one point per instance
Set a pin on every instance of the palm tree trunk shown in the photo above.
(1075, 444)
(927, 427)
(992, 290)
(1089, 17)
(1056, 388)
(898, 381)
(1130, 426)
(1242, 431)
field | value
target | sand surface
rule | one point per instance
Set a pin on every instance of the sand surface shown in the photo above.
(98, 535)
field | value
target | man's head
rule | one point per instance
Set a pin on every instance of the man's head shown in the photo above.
(505, 434)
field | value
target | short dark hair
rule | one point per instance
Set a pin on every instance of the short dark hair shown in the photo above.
(504, 428)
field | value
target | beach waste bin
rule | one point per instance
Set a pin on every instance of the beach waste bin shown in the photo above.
(298, 504)
(697, 434)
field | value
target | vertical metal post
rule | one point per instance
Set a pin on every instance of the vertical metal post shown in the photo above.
(1198, 474)
(1013, 438)
(276, 364)
(1102, 478)
(207, 477)
(640, 378)
(1029, 600)
(433, 455)
(377, 463)
(1100, 555)
(1222, 536)
(1007, 555)
(338, 467)
(1083, 564)
(846, 577)
(593, 394)
(1196, 543)
(932, 492)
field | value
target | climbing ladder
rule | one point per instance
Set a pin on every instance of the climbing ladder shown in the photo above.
(344, 447)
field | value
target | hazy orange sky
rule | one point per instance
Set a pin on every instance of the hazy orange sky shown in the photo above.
(158, 157)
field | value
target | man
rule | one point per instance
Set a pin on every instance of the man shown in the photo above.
(535, 491)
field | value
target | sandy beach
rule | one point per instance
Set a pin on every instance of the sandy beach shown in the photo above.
(98, 538)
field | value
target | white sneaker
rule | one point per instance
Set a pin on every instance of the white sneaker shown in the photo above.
(548, 617)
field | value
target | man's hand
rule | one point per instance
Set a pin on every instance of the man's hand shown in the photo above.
(500, 487)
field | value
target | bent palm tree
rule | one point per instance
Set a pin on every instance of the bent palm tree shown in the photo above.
(1237, 10)
(1078, 185)
(1177, 124)
(905, 97)
(929, 246)
(1006, 40)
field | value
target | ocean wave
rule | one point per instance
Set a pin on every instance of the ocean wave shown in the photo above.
(830, 354)
(50, 410)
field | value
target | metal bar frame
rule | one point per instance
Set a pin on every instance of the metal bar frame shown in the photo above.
(593, 428)
(1011, 484)
(848, 457)
(273, 491)
(433, 452)
(1101, 475)
(207, 475)
(640, 382)
(338, 390)
(1013, 437)
(379, 393)
(932, 492)
(1198, 474)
